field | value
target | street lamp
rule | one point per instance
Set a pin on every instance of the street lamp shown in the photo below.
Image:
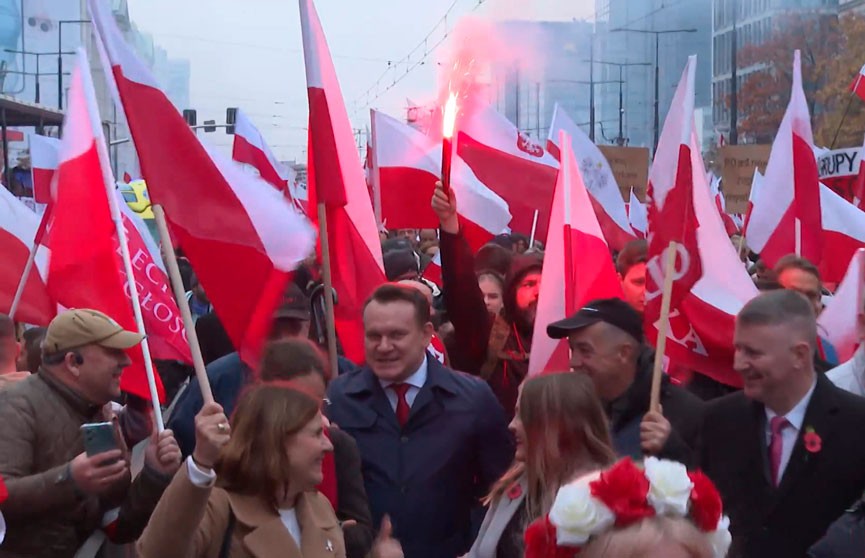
(60, 57)
(657, 35)
(620, 140)
(37, 55)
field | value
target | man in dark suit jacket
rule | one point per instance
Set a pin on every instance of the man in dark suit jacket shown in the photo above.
(432, 440)
(607, 344)
(788, 452)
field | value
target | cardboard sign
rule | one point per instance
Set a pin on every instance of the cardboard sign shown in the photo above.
(737, 172)
(630, 166)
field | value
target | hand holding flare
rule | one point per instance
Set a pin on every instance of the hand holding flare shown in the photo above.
(448, 122)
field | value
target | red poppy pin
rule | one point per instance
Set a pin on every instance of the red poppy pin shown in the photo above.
(813, 442)
(515, 491)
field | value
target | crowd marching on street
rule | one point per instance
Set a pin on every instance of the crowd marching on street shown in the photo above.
(290, 378)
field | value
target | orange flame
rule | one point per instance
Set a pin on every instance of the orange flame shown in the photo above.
(450, 116)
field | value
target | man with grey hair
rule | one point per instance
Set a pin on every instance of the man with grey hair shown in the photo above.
(787, 453)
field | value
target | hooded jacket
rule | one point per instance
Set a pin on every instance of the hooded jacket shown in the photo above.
(495, 348)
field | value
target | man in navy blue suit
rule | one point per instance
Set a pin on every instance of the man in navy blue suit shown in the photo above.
(432, 440)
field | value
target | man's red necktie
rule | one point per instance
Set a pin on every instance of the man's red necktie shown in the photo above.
(402, 408)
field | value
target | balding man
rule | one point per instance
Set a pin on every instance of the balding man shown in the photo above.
(9, 351)
(58, 494)
(787, 452)
(606, 339)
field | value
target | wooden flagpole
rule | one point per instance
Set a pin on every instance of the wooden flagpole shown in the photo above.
(22, 283)
(663, 326)
(534, 229)
(328, 290)
(182, 304)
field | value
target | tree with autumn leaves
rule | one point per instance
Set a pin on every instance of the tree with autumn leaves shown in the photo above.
(833, 51)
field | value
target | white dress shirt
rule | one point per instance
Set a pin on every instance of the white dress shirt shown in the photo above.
(415, 382)
(790, 433)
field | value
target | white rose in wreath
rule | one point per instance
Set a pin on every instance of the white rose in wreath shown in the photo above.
(577, 515)
(720, 538)
(669, 486)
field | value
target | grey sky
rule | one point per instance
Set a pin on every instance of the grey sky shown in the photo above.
(247, 53)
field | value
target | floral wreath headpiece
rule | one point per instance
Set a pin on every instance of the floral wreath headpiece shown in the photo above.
(623, 495)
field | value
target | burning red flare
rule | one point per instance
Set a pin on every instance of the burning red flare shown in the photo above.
(448, 123)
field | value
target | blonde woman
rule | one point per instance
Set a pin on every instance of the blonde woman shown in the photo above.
(561, 433)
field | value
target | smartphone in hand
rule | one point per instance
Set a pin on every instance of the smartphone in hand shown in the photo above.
(98, 437)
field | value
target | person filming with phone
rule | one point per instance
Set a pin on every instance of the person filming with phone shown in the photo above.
(62, 450)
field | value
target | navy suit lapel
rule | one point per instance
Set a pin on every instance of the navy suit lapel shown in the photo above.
(819, 417)
(427, 407)
(368, 391)
(758, 413)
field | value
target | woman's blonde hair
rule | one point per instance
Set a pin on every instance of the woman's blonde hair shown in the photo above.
(634, 540)
(255, 460)
(566, 434)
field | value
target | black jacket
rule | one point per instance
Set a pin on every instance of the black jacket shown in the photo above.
(816, 488)
(683, 409)
(845, 538)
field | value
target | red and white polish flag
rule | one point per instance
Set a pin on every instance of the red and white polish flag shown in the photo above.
(638, 217)
(409, 164)
(250, 148)
(43, 162)
(859, 184)
(84, 270)
(729, 224)
(242, 237)
(791, 221)
(598, 177)
(843, 234)
(577, 264)
(509, 163)
(335, 178)
(18, 229)
(839, 321)
(671, 206)
(858, 84)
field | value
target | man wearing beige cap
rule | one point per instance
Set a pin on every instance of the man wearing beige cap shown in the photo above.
(58, 495)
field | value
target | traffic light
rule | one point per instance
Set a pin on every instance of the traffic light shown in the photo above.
(190, 116)
(210, 126)
(230, 119)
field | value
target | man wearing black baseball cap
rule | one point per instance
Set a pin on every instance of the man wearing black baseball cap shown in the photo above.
(607, 344)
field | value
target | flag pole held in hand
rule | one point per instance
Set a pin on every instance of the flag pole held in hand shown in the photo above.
(663, 326)
(328, 290)
(182, 304)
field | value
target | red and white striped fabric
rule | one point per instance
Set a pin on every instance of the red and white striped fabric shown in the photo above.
(241, 236)
(251, 149)
(598, 178)
(839, 321)
(509, 163)
(43, 163)
(859, 184)
(18, 227)
(637, 215)
(671, 207)
(577, 264)
(843, 234)
(858, 84)
(335, 179)
(409, 164)
(772, 230)
(84, 270)
(729, 224)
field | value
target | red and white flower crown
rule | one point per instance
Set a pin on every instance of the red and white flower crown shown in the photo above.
(623, 495)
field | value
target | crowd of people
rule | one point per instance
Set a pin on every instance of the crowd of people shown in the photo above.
(439, 445)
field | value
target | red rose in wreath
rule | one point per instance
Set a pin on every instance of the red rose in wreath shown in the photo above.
(813, 442)
(706, 506)
(540, 541)
(624, 489)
